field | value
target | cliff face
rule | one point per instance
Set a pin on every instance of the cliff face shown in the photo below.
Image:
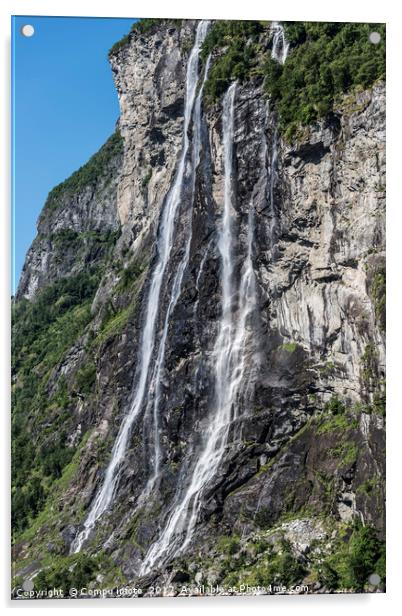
(76, 222)
(300, 454)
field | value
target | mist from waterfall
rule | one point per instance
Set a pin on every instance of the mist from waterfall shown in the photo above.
(106, 493)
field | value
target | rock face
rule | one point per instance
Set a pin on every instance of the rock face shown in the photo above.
(150, 80)
(76, 224)
(308, 437)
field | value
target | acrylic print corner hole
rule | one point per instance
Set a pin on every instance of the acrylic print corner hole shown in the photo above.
(375, 38)
(27, 30)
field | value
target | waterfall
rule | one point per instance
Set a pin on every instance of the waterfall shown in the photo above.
(176, 288)
(244, 341)
(271, 187)
(198, 279)
(229, 365)
(280, 47)
(165, 241)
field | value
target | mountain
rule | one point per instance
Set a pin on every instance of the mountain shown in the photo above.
(199, 329)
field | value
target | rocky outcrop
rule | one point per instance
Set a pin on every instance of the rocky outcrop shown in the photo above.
(149, 74)
(333, 237)
(78, 224)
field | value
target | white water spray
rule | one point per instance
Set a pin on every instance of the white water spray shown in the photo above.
(198, 279)
(165, 241)
(176, 289)
(280, 50)
(230, 362)
(280, 47)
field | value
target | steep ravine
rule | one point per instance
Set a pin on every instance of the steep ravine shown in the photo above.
(289, 287)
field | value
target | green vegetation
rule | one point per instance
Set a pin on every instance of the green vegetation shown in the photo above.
(357, 554)
(344, 562)
(346, 452)
(229, 545)
(119, 45)
(371, 381)
(50, 515)
(326, 60)
(143, 26)
(89, 174)
(290, 347)
(369, 367)
(77, 571)
(26, 501)
(327, 369)
(85, 378)
(379, 400)
(64, 237)
(239, 55)
(334, 406)
(43, 330)
(31, 320)
(339, 423)
(113, 325)
(70, 240)
(130, 274)
(276, 566)
(114, 320)
(378, 292)
(147, 177)
(369, 486)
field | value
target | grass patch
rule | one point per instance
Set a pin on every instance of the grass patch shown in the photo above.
(345, 452)
(86, 377)
(368, 486)
(335, 423)
(289, 347)
(113, 326)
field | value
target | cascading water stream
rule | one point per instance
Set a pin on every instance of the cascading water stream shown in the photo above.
(280, 47)
(176, 288)
(243, 345)
(198, 279)
(165, 242)
(229, 357)
(230, 351)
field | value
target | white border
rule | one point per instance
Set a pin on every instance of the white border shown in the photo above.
(339, 10)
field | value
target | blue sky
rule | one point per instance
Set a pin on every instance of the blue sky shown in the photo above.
(65, 107)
